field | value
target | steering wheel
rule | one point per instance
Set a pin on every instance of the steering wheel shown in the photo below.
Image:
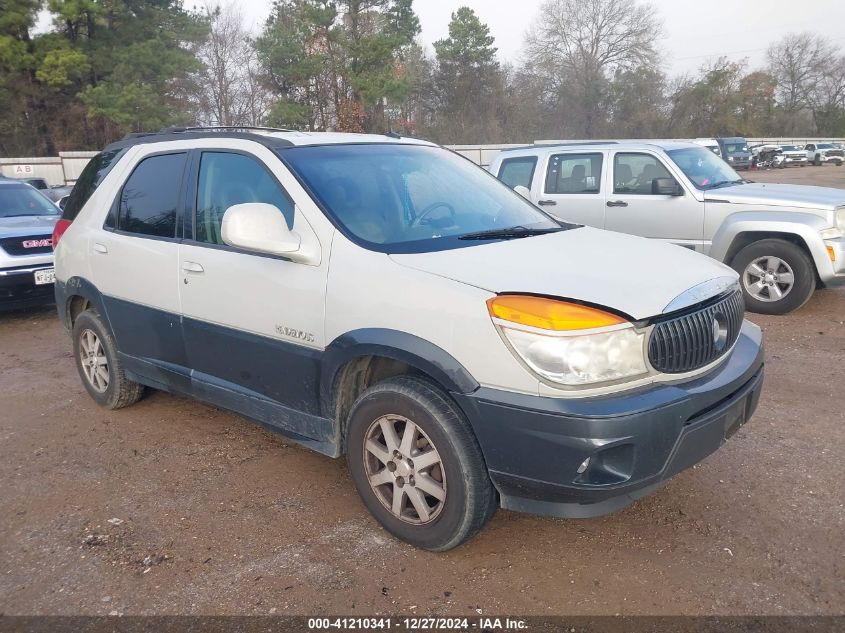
(417, 221)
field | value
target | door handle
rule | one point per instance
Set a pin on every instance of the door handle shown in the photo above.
(192, 267)
(100, 248)
(546, 203)
(617, 203)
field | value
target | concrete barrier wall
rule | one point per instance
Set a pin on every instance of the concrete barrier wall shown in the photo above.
(65, 168)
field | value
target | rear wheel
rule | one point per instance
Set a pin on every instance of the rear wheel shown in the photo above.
(776, 276)
(417, 465)
(98, 364)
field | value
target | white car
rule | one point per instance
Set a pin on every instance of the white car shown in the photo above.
(387, 300)
(821, 153)
(710, 143)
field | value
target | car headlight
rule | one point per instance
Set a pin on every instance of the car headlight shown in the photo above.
(839, 219)
(567, 343)
(730, 158)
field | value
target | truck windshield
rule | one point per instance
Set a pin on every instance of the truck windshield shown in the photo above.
(22, 200)
(703, 168)
(734, 148)
(412, 198)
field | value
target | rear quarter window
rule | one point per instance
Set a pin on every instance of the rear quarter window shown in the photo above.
(90, 178)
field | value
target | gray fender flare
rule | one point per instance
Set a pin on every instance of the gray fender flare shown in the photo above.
(803, 225)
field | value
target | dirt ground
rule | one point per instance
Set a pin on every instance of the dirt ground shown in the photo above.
(174, 507)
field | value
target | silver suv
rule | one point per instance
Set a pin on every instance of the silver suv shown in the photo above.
(783, 240)
(27, 219)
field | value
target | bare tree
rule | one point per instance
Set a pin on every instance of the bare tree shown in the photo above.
(798, 62)
(578, 45)
(229, 87)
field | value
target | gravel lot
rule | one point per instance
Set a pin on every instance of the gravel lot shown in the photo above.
(171, 506)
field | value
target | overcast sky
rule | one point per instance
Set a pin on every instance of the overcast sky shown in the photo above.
(696, 30)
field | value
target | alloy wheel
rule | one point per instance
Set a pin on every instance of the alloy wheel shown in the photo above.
(404, 469)
(95, 365)
(768, 278)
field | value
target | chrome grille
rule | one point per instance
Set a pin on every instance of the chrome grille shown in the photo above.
(693, 340)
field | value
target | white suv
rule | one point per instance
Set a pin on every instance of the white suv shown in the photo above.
(384, 299)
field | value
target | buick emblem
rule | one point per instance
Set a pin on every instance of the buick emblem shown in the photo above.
(720, 331)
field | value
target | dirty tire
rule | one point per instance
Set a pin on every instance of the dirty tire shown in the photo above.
(120, 391)
(470, 499)
(797, 259)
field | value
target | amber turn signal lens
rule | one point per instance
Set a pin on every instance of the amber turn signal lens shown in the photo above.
(549, 314)
(831, 253)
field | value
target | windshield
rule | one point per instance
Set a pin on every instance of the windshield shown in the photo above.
(703, 168)
(22, 200)
(789, 148)
(734, 148)
(824, 146)
(411, 198)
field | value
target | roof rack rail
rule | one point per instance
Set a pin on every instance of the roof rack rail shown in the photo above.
(564, 144)
(178, 129)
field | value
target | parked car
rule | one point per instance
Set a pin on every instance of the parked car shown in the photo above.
(38, 183)
(710, 143)
(735, 151)
(821, 153)
(766, 156)
(27, 219)
(385, 299)
(57, 192)
(783, 240)
(792, 155)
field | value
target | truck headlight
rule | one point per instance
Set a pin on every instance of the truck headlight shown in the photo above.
(731, 158)
(567, 343)
(839, 219)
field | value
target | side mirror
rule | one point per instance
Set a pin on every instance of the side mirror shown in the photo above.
(523, 191)
(63, 202)
(259, 227)
(666, 187)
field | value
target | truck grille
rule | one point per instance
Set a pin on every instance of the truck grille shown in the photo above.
(28, 245)
(696, 339)
(834, 152)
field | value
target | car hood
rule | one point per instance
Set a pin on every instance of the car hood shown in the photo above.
(27, 225)
(775, 195)
(641, 278)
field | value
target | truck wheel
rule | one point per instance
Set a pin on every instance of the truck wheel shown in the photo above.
(417, 464)
(776, 276)
(839, 163)
(818, 161)
(99, 366)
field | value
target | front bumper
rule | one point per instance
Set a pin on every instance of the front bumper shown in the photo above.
(834, 252)
(635, 441)
(18, 288)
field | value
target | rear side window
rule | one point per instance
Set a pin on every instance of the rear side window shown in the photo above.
(574, 173)
(518, 171)
(228, 179)
(150, 197)
(90, 178)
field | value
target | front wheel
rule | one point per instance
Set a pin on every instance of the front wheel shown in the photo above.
(777, 276)
(417, 464)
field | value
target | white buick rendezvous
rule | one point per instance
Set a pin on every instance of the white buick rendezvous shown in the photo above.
(384, 299)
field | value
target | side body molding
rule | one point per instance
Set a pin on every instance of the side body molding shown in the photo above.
(401, 346)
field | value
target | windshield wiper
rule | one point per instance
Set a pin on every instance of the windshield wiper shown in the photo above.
(725, 183)
(510, 233)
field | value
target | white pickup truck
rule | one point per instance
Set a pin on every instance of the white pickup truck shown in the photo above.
(783, 240)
